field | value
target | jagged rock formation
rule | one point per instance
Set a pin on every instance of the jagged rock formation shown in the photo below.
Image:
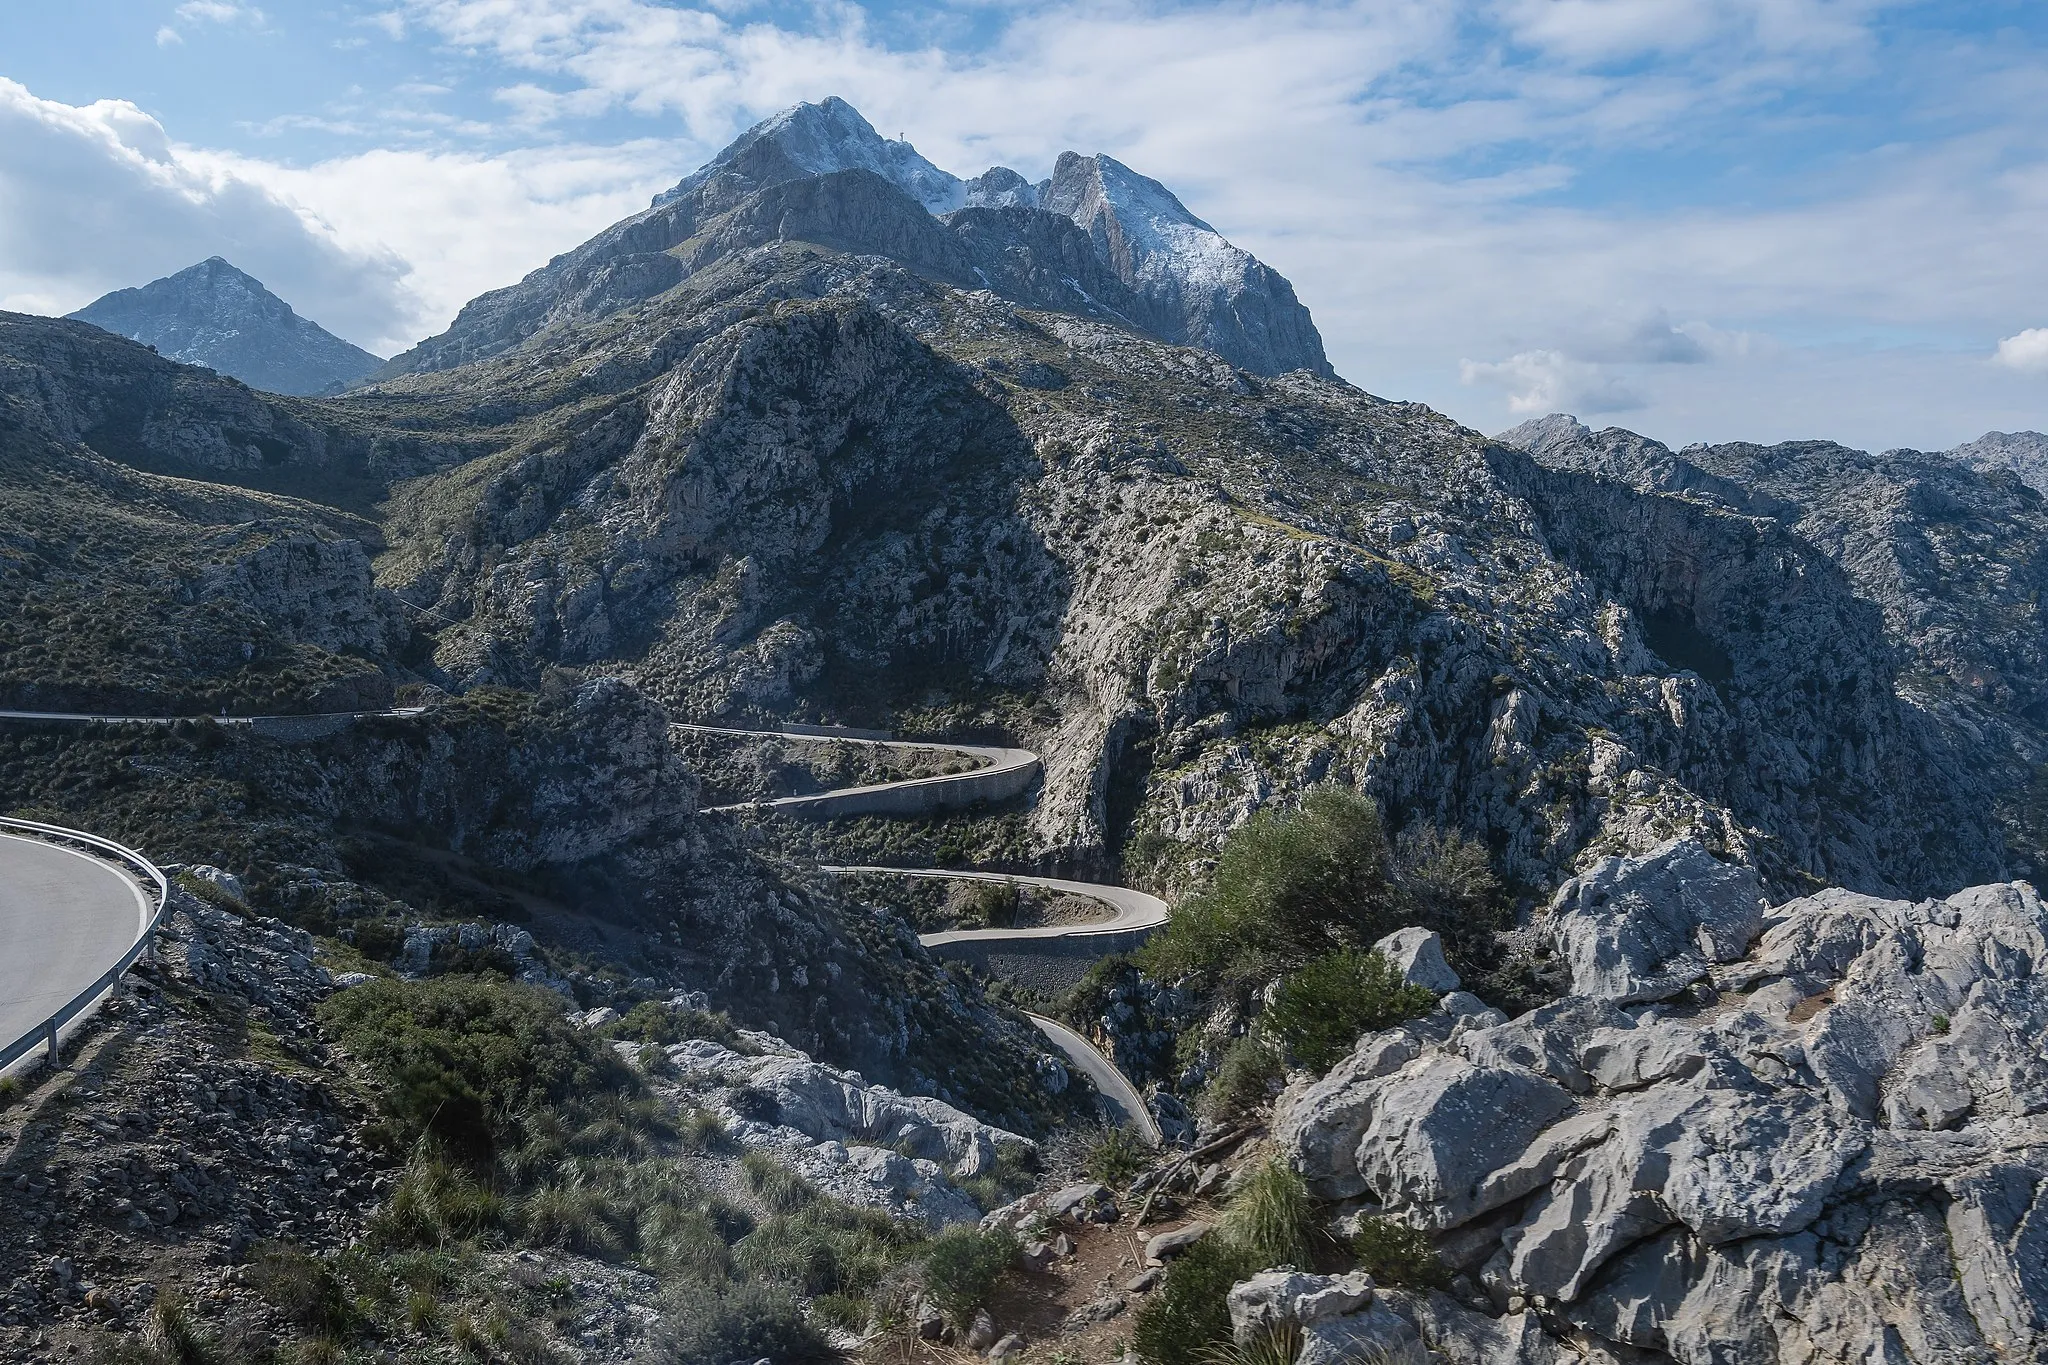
(820, 173)
(214, 315)
(1831, 1147)
(2025, 453)
(1956, 562)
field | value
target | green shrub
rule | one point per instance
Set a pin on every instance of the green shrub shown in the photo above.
(653, 1022)
(1321, 1010)
(302, 1287)
(703, 1131)
(962, 1267)
(464, 1059)
(1398, 1255)
(435, 1202)
(579, 1216)
(707, 1326)
(1279, 1346)
(778, 1187)
(1289, 886)
(1116, 1157)
(379, 940)
(994, 904)
(828, 1248)
(169, 1337)
(1272, 1220)
(686, 1242)
(1189, 1313)
(1248, 1075)
(842, 1311)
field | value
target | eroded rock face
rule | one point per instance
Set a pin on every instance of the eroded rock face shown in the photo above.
(862, 1143)
(1843, 1156)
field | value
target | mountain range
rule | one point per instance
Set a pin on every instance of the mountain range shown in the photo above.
(214, 315)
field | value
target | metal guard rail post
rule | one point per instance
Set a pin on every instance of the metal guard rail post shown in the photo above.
(46, 1032)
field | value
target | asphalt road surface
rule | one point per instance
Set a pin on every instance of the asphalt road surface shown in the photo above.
(1133, 909)
(65, 918)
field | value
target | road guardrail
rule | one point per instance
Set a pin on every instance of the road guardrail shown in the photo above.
(46, 1032)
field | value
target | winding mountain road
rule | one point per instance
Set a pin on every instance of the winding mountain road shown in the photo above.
(999, 774)
(1132, 910)
(89, 718)
(100, 913)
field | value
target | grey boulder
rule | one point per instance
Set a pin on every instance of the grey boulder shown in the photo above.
(1418, 954)
(1640, 929)
(1845, 1157)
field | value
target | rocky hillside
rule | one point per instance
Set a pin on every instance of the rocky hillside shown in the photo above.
(214, 315)
(1954, 559)
(829, 436)
(1095, 238)
(811, 482)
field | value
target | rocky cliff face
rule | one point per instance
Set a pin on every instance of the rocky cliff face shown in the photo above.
(1821, 1145)
(214, 315)
(1950, 562)
(1199, 290)
(819, 173)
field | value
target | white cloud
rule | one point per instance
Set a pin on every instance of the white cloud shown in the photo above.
(465, 222)
(218, 12)
(168, 37)
(98, 197)
(2025, 351)
(1540, 382)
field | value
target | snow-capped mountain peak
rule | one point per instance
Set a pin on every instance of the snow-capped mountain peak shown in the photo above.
(831, 135)
(999, 187)
(814, 169)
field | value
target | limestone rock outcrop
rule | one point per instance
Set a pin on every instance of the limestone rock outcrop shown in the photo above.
(861, 1143)
(1836, 1148)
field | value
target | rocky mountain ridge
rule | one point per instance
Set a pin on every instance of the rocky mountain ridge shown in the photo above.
(1174, 276)
(2025, 453)
(1956, 560)
(214, 315)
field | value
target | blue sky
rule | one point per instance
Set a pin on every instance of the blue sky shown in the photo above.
(1703, 219)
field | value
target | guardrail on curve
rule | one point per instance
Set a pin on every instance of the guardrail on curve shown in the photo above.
(47, 1031)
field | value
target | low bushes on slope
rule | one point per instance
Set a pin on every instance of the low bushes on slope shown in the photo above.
(523, 1130)
(1271, 1221)
(469, 1062)
(1321, 1010)
(1291, 886)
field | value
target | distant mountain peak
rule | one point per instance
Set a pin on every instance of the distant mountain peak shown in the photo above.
(818, 139)
(2025, 453)
(220, 316)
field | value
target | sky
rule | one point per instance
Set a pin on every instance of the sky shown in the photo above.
(1700, 219)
